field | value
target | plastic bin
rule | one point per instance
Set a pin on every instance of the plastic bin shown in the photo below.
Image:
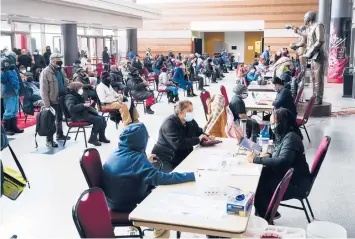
(322, 229)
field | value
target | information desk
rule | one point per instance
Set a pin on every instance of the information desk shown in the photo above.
(262, 102)
(200, 207)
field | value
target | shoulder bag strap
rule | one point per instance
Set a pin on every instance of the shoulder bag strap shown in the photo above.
(19, 165)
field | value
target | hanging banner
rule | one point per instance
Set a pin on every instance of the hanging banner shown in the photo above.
(339, 48)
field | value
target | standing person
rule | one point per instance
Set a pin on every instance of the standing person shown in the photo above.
(178, 134)
(131, 54)
(10, 87)
(106, 59)
(289, 153)
(81, 111)
(47, 55)
(266, 56)
(24, 60)
(39, 61)
(53, 83)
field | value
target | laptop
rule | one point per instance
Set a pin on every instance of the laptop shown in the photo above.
(256, 100)
(251, 146)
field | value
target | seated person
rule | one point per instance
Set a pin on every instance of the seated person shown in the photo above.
(290, 83)
(136, 63)
(193, 75)
(117, 80)
(252, 75)
(89, 90)
(76, 66)
(81, 111)
(147, 62)
(110, 99)
(289, 153)
(32, 97)
(128, 174)
(217, 116)
(209, 71)
(139, 89)
(165, 83)
(22, 71)
(177, 136)
(284, 97)
(179, 77)
(237, 106)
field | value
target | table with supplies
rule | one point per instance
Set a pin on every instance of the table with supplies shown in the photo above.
(201, 207)
(260, 101)
(262, 88)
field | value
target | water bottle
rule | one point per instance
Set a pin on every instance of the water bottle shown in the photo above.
(265, 132)
(270, 147)
(243, 126)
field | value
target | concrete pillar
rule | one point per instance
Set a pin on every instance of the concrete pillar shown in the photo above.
(339, 45)
(352, 46)
(132, 38)
(70, 43)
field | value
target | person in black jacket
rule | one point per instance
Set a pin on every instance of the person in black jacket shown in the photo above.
(284, 97)
(288, 153)
(106, 59)
(209, 71)
(139, 89)
(137, 64)
(47, 55)
(39, 61)
(89, 89)
(177, 136)
(117, 82)
(81, 111)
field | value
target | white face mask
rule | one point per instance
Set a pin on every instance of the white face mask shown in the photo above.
(189, 116)
(81, 91)
(23, 71)
(252, 71)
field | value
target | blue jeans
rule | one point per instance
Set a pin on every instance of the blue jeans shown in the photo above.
(157, 71)
(11, 107)
(173, 89)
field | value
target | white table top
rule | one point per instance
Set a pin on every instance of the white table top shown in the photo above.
(188, 207)
(266, 97)
(266, 88)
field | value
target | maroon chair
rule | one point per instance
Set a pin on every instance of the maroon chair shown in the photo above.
(204, 97)
(105, 112)
(91, 166)
(302, 122)
(317, 163)
(277, 197)
(81, 129)
(224, 93)
(91, 216)
(160, 94)
(298, 96)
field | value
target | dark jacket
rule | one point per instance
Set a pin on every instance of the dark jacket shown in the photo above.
(158, 64)
(117, 77)
(31, 95)
(84, 79)
(39, 61)
(138, 64)
(10, 84)
(285, 100)
(176, 141)
(24, 60)
(128, 173)
(46, 56)
(75, 105)
(138, 89)
(105, 57)
(288, 154)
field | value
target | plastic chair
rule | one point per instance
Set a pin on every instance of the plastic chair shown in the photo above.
(160, 94)
(302, 122)
(204, 97)
(91, 216)
(105, 112)
(277, 197)
(224, 93)
(91, 167)
(299, 95)
(317, 163)
(138, 102)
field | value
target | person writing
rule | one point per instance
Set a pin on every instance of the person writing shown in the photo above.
(128, 174)
(289, 153)
(284, 97)
(177, 136)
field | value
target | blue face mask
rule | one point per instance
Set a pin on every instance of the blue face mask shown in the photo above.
(189, 116)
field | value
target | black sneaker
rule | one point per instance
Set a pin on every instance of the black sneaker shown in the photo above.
(52, 144)
(94, 142)
(62, 137)
(149, 111)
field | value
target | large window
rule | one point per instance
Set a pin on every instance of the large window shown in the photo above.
(5, 26)
(5, 42)
(36, 42)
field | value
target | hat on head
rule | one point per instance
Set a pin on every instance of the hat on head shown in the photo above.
(55, 55)
(239, 89)
(164, 69)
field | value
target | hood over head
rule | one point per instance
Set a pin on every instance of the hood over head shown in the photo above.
(134, 137)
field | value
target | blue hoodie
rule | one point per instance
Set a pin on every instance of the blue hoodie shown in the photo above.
(128, 173)
(10, 84)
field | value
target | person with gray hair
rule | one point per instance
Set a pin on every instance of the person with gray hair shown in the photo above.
(178, 134)
(53, 83)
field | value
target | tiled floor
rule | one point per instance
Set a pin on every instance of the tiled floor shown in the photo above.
(44, 211)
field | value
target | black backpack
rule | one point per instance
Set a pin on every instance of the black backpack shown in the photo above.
(45, 123)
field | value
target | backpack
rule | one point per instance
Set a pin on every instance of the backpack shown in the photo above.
(45, 123)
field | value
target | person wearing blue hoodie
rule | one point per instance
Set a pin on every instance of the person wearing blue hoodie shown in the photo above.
(252, 75)
(129, 173)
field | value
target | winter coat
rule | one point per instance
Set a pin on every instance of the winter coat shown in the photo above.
(179, 77)
(105, 57)
(31, 95)
(106, 94)
(9, 84)
(176, 140)
(285, 100)
(127, 174)
(138, 89)
(39, 61)
(75, 105)
(252, 77)
(46, 56)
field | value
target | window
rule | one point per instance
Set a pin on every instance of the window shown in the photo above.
(21, 27)
(80, 31)
(5, 42)
(94, 32)
(36, 28)
(107, 32)
(52, 29)
(36, 42)
(5, 26)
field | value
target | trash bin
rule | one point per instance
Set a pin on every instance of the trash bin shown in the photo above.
(348, 75)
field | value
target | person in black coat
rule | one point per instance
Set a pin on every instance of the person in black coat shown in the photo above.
(139, 89)
(209, 71)
(178, 134)
(106, 59)
(148, 63)
(47, 55)
(284, 98)
(136, 63)
(117, 82)
(288, 153)
(39, 61)
(81, 111)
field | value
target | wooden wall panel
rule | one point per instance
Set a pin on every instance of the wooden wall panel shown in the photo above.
(210, 38)
(275, 13)
(250, 39)
(162, 46)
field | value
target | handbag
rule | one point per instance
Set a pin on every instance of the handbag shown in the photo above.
(14, 182)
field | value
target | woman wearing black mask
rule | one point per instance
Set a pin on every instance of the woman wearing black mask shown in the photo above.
(284, 98)
(47, 55)
(288, 153)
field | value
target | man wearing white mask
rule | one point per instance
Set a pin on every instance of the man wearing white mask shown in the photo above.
(177, 136)
(53, 83)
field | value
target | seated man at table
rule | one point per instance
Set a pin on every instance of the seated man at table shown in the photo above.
(237, 106)
(289, 153)
(178, 134)
(129, 173)
(284, 97)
